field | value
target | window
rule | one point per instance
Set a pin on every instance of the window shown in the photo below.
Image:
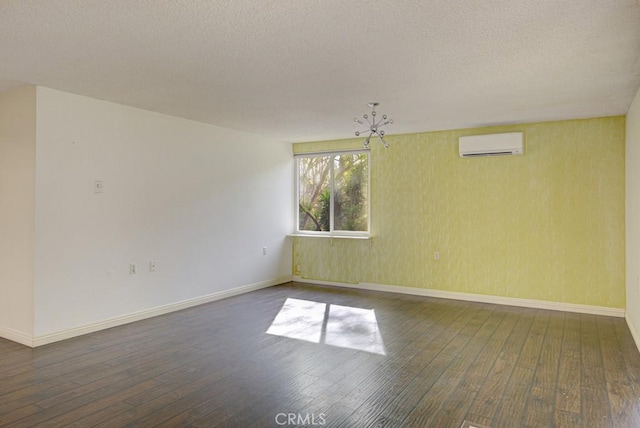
(333, 193)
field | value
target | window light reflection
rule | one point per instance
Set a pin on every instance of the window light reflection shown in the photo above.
(336, 325)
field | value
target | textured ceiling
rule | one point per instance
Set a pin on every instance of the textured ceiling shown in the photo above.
(300, 70)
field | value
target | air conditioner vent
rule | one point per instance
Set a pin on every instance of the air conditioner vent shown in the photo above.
(511, 143)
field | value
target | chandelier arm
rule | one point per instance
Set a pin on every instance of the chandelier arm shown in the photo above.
(371, 124)
(384, 143)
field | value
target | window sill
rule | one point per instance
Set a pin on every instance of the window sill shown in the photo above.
(310, 235)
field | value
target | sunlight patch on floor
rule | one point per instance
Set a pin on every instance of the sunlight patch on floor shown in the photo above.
(336, 325)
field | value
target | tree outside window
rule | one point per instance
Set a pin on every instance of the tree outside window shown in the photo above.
(333, 192)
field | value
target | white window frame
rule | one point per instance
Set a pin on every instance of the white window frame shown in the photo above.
(331, 232)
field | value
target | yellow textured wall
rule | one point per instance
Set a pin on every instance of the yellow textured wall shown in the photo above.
(548, 225)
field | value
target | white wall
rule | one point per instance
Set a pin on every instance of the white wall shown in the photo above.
(17, 187)
(200, 200)
(633, 217)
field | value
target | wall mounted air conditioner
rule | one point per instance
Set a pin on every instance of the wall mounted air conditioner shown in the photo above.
(510, 143)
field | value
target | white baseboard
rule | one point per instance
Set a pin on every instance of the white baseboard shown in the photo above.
(634, 333)
(498, 300)
(149, 313)
(16, 336)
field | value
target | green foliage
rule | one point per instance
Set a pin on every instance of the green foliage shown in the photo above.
(350, 204)
(325, 210)
(350, 181)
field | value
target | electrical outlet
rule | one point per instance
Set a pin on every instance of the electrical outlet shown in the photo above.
(152, 266)
(436, 255)
(132, 269)
(264, 251)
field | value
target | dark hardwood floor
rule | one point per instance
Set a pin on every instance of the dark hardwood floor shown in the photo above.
(332, 358)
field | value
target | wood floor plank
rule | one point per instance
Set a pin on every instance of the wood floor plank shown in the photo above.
(479, 369)
(532, 347)
(492, 389)
(34, 393)
(568, 401)
(595, 408)
(564, 419)
(568, 397)
(590, 345)
(428, 364)
(539, 411)
(612, 359)
(547, 367)
(514, 398)
(444, 361)
(442, 390)
(477, 419)
(149, 412)
(100, 415)
(624, 405)
(412, 358)
(81, 406)
(19, 413)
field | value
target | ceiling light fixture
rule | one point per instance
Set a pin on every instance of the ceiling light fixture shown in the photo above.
(374, 127)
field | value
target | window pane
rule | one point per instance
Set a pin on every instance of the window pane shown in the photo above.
(350, 199)
(314, 198)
